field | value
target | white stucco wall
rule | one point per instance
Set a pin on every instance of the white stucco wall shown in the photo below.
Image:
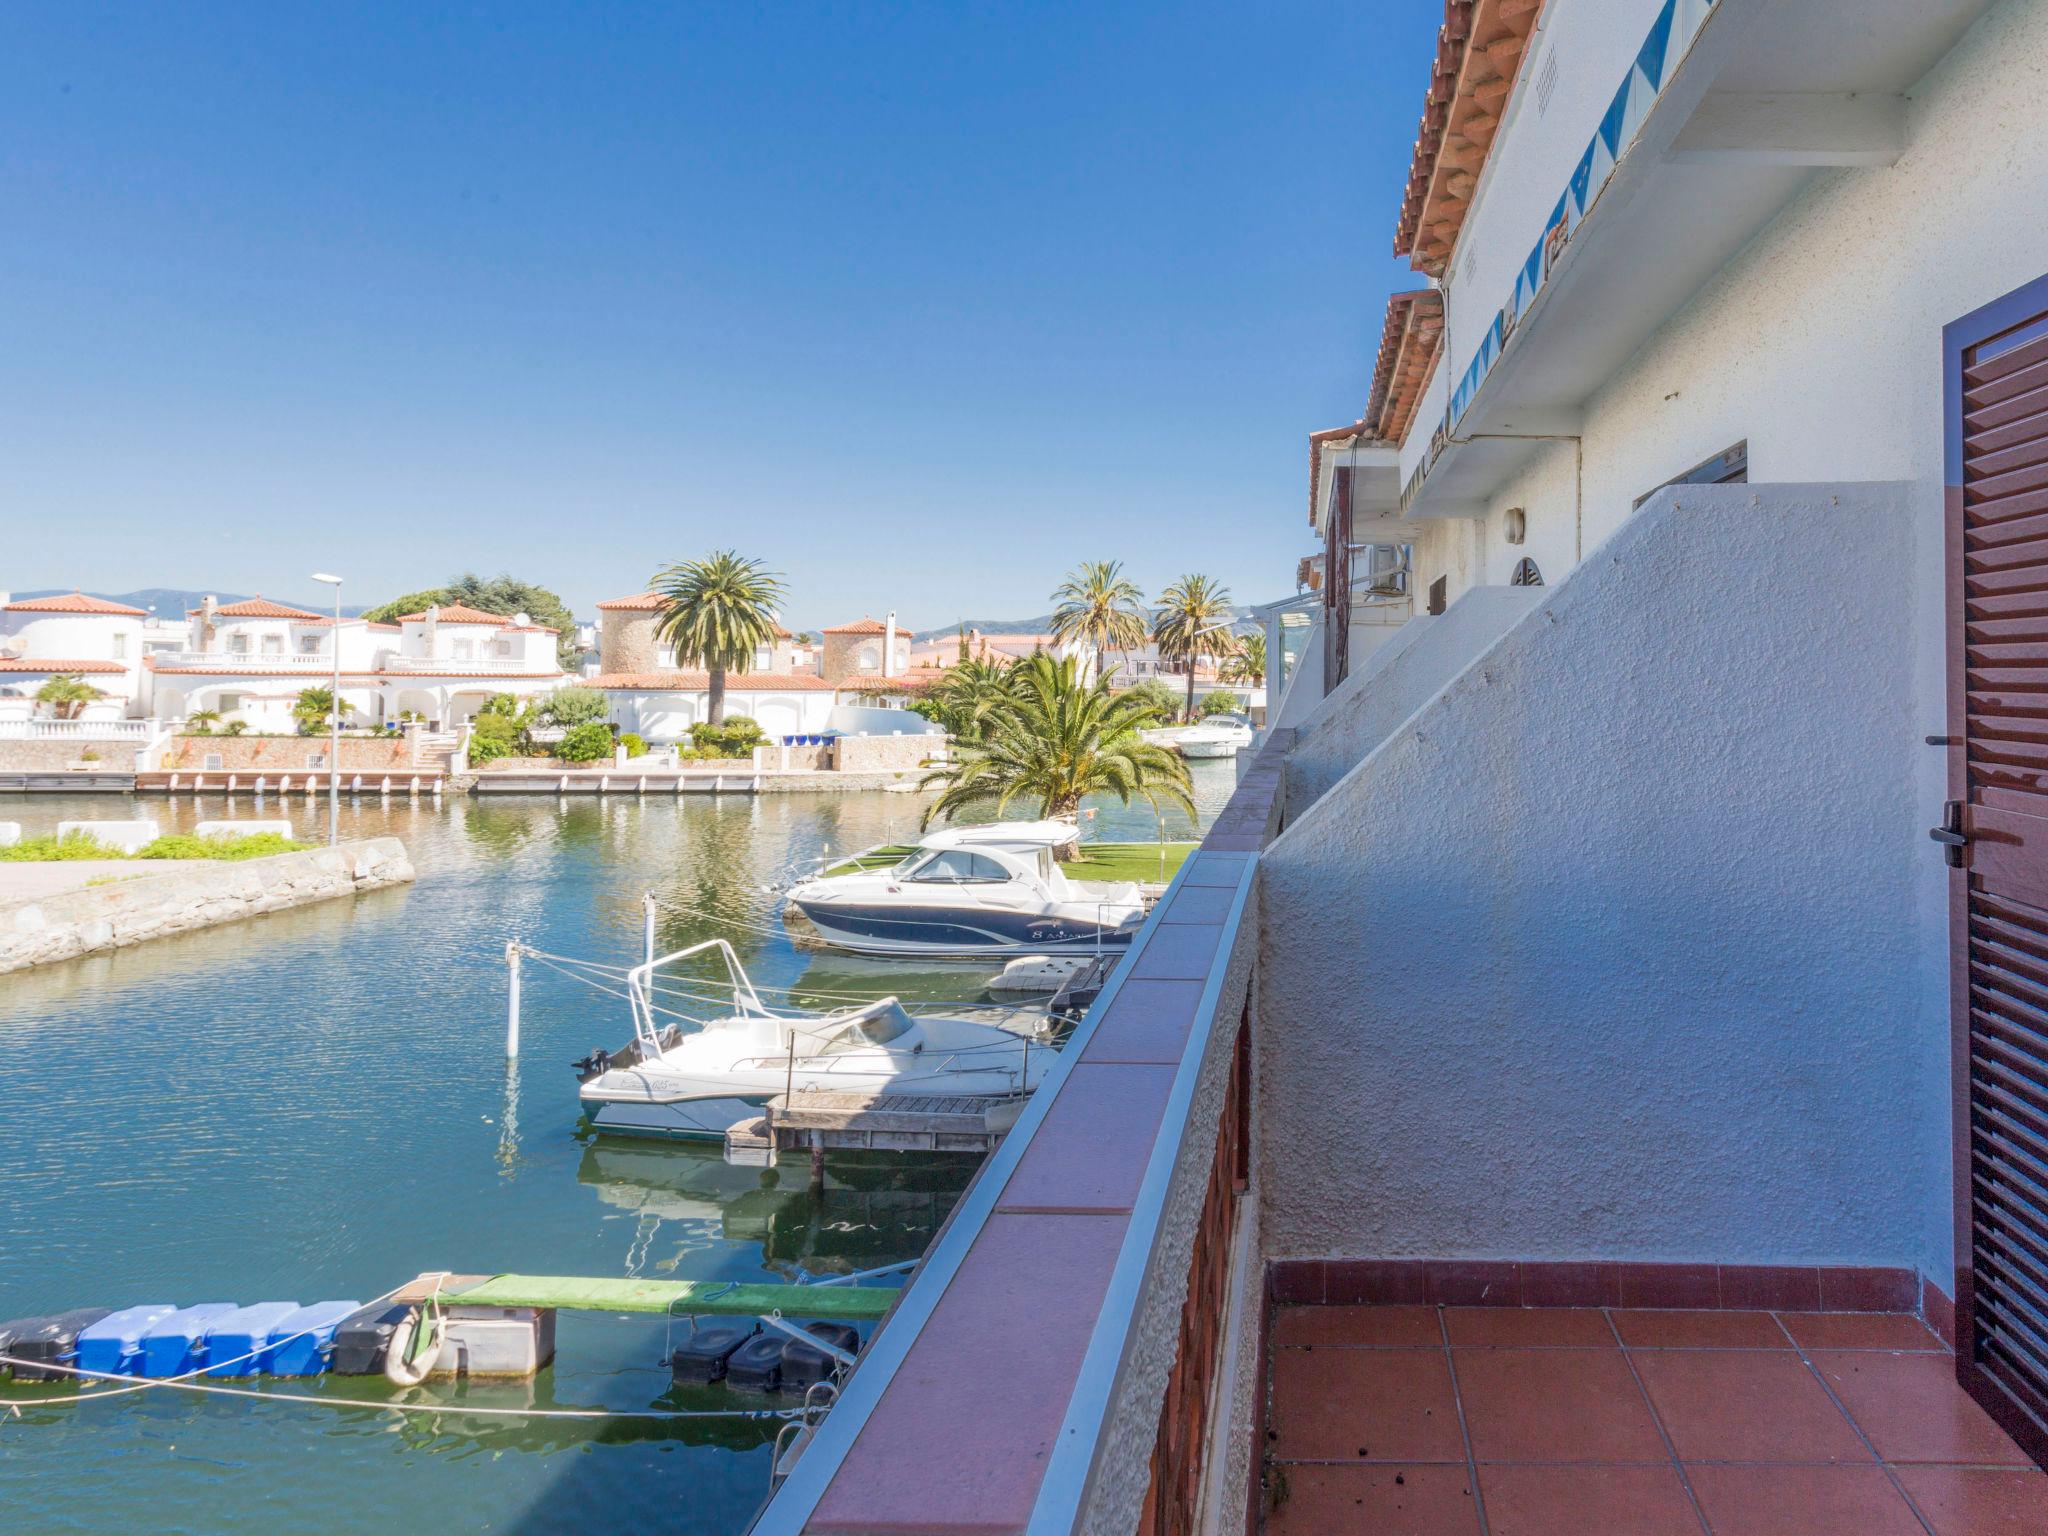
(1424, 656)
(82, 637)
(1613, 950)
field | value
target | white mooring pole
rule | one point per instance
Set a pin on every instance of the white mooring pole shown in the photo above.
(512, 999)
(647, 910)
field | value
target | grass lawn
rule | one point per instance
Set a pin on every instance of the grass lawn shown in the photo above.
(1098, 861)
(177, 845)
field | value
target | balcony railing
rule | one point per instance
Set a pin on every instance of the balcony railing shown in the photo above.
(1105, 1231)
(249, 661)
(461, 666)
(77, 730)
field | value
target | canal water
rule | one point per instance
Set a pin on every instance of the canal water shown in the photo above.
(316, 1105)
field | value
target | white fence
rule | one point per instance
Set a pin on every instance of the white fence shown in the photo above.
(77, 730)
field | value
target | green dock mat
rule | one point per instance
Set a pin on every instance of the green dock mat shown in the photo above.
(841, 1303)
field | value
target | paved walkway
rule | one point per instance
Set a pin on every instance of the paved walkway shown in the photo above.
(1493, 1421)
(31, 882)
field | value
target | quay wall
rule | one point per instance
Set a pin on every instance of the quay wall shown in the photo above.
(872, 754)
(61, 927)
(284, 754)
(117, 754)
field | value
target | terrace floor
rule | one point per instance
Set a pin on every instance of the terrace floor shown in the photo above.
(1425, 1421)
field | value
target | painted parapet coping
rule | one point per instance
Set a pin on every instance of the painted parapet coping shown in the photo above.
(1614, 949)
(38, 931)
(1026, 1363)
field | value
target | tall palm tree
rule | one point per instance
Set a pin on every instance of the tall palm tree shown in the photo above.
(717, 612)
(1062, 738)
(1247, 664)
(1099, 606)
(312, 707)
(1189, 609)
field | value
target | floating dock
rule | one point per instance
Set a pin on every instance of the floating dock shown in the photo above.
(818, 1123)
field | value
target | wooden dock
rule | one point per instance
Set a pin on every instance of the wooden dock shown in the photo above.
(818, 1123)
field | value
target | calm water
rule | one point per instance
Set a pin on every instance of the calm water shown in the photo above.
(316, 1104)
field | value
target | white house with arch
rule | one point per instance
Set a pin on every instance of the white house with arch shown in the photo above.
(250, 660)
(71, 635)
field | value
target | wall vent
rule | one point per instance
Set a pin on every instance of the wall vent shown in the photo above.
(1546, 81)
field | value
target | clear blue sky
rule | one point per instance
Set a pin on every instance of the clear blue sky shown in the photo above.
(920, 303)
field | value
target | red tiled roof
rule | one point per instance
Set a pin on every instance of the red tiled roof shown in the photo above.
(29, 664)
(862, 626)
(1478, 54)
(697, 682)
(458, 613)
(73, 602)
(314, 676)
(639, 600)
(261, 607)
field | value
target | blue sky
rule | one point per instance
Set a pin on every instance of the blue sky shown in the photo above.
(920, 303)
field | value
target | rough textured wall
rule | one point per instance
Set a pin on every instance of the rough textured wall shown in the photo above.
(1398, 679)
(625, 641)
(1610, 951)
(47, 756)
(153, 906)
(873, 754)
(284, 754)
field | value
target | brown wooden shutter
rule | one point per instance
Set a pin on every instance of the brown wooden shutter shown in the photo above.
(1996, 832)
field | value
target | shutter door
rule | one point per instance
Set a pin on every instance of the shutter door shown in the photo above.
(1996, 827)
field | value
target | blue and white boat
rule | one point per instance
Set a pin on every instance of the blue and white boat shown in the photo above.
(972, 891)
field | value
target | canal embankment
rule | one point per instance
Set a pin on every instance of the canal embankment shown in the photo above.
(140, 901)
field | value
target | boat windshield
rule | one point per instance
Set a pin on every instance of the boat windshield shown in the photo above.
(960, 866)
(879, 1030)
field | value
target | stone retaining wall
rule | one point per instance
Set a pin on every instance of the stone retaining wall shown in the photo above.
(110, 916)
(283, 754)
(55, 754)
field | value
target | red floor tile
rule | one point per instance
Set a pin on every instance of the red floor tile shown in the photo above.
(1802, 1501)
(1530, 1327)
(1375, 1327)
(1858, 1330)
(1912, 1409)
(1977, 1501)
(1700, 1330)
(1574, 1501)
(1747, 1405)
(1387, 1501)
(1358, 1404)
(1555, 1405)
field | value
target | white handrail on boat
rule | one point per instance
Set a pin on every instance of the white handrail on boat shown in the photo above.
(638, 980)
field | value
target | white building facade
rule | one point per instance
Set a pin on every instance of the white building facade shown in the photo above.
(251, 660)
(101, 643)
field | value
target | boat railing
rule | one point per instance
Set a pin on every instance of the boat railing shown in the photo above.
(640, 983)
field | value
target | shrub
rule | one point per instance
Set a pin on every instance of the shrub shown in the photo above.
(236, 727)
(635, 747)
(500, 706)
(176, 845)
(494, 736)
(1164, 700)
(736, 738)
(569, 707)
(585, 743)
(1221, 702)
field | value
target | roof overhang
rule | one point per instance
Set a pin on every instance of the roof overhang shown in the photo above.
(1767, 95)
(1374, 470)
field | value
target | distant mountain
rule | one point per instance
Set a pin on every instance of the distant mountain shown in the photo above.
(1039, 626)
(173, 603)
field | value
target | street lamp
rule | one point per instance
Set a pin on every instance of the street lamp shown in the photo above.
(333, 716)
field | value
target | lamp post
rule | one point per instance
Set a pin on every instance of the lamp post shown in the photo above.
(333, 716)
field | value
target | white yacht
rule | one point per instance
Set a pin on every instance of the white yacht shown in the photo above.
(969, 891)
(673, 1079)
(1223, 735)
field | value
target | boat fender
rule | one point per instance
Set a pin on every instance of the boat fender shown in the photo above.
(415, 1346)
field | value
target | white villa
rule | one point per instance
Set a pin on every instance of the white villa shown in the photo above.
(249, 660)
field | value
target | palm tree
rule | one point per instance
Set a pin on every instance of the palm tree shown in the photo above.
(312, 707)
(971, 694)
(717, 613)
(67, 695)
(1247, 663)
(202, 721)
(1100, 607)
(1060, 739)
(1189, 609)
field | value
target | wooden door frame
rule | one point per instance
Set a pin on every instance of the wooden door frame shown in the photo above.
(1958, 337)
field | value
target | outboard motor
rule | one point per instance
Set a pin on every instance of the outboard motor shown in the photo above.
(596, 1064)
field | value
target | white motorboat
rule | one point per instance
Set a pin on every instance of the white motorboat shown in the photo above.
(969, 891)
(1223, 735)
(673, 1079)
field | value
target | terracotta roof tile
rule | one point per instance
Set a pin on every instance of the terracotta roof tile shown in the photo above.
(261, 607)
(457, 613)
(697, 682)
(1478, 54)
(862, 626)
(73, 602)
(639, 600)
(36, 664)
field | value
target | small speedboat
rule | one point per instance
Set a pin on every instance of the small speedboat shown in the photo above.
(970, 891)
(673, 1079)
(1218, 736)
